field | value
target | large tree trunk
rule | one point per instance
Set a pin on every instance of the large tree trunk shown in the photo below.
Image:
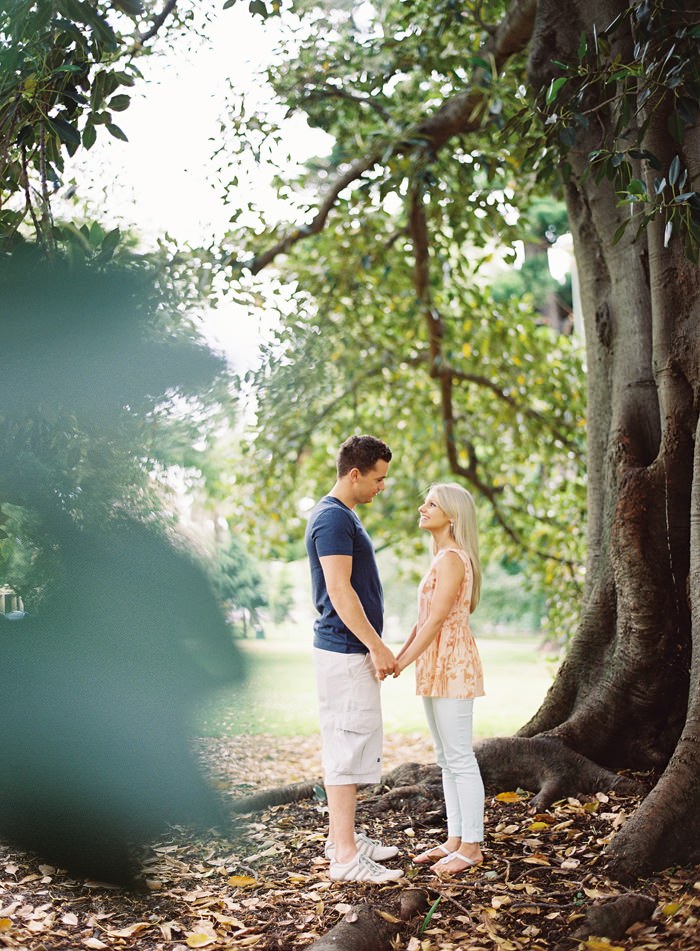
(621, 698)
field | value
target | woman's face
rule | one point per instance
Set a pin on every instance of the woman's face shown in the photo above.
(432, 517)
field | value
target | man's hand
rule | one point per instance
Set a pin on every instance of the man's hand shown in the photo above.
(384, 661)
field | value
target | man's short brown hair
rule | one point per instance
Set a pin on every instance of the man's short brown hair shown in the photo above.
(361, 452)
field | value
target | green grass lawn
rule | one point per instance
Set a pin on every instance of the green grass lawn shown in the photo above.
(279, 695)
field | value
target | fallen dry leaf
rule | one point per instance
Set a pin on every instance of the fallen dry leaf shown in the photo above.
(509, 797)
(199, 940)
(242, 881)
(526, 897)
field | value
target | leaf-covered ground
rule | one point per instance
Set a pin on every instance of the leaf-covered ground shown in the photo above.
(265, 886)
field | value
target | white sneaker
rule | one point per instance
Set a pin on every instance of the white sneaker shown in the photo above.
(372, 848)
(363, 869)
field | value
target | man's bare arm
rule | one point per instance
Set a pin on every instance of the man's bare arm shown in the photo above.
(337, 570)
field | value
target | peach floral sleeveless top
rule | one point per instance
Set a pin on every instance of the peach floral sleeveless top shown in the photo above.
(450, 666)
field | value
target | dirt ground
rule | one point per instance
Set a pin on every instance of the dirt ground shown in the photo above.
(264, 884)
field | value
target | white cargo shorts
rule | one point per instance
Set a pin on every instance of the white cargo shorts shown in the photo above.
(350, 714)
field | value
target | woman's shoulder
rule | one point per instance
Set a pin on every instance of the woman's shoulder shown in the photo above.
(460, 552)
(457, 554)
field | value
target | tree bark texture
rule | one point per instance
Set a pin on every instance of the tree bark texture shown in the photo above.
(361, 929)
(626, 695)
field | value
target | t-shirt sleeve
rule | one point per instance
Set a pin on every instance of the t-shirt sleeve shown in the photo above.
(333, 534)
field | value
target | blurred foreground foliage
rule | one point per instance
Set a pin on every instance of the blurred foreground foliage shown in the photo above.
(124, 635)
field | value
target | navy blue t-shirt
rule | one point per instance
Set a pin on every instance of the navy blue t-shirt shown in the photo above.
(334, 529)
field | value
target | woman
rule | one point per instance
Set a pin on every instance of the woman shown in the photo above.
(448, 670)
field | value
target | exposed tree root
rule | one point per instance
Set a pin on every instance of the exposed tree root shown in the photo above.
(362, 929)
(414, 901)
(541, 764)
(276, 796)
(544, 765)
(611, 919)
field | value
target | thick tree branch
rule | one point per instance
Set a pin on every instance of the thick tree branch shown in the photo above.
(465, 111)
(512, 402)
(328, 91)
(356, 170)
(157, 23)
(459, 114)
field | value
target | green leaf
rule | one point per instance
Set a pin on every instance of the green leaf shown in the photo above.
(431, 912)
(674, 170)
(132, 8)
(109, 245)
(66, 132)
(620, 230)
(582, 47)
(554, 87)
(119, 103)
(96, 234)
(116, 132)
(676, 127)
(637, 187)
(89, 136)
(567, 136)
(229, 3)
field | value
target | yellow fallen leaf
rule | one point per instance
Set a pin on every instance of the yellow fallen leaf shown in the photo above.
(598, 944)
(538, 826)
(227, 921)
(130, 931)
(670, 909)
(242, 881)
(508, 797)
(392, 919)
(199, 940)
(5, 924)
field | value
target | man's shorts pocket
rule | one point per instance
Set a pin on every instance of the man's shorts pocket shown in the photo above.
(358, 740)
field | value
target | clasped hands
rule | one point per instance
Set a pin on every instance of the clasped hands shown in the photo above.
(385, 664)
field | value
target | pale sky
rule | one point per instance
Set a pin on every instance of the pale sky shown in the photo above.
(162, 179)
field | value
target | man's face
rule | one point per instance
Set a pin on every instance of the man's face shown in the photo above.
(366, 486)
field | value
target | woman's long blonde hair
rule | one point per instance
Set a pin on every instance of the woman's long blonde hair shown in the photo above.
(458, 506)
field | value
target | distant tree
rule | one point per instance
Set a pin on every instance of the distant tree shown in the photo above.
(280, 592)
(544, 221)
(239, 585)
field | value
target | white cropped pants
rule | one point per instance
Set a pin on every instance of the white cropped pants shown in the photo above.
(450, 722)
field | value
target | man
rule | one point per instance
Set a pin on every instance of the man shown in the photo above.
(349, 655)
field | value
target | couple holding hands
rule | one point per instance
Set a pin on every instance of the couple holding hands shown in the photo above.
(351, 659)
